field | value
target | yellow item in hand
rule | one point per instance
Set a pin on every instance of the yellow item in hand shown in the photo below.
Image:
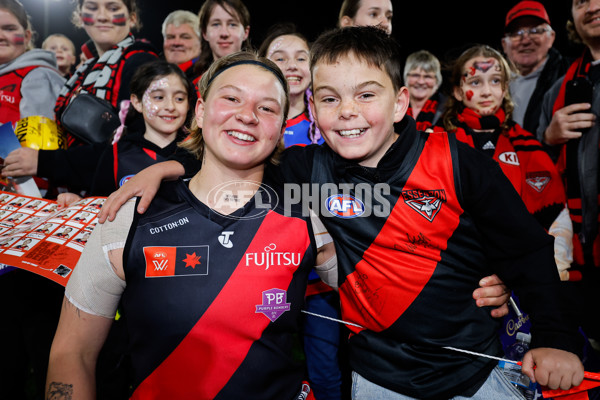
(40, 133)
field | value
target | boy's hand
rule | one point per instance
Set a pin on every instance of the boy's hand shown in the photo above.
(493, 292)
(554, 368)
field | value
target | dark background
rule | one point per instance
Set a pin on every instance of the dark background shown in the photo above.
(440, 27)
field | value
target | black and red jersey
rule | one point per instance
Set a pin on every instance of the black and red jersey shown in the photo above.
(213, 301)
(437, 217)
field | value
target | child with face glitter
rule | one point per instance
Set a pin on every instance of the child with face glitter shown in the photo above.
(290, 50)
(162, 96)
(109, 24)
(211, 282)
(479, 112)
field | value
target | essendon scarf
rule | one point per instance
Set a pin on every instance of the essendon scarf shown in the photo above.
(427, 114)
(578, 163)
(101, 77)
(523, 160)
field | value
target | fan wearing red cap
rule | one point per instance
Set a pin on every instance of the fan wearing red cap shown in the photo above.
(527, 43)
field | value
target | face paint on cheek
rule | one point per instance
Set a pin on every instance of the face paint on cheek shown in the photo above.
(469, 95)
(18, 40)
(119, 20)
(87, 19)
(151, 108)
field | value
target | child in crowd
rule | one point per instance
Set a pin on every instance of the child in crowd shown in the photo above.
(431, 218)
(64, 49)
(479, 113)
(161, 94)
(367, 13)
(225, 29)
(289, 49)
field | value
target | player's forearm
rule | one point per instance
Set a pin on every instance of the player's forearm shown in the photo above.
(70, 376)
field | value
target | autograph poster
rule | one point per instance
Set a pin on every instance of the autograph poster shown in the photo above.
(36, 236)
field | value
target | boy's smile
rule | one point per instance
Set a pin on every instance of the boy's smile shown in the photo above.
(355, 107)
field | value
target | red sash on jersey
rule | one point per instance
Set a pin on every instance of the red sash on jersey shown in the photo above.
(368, 290)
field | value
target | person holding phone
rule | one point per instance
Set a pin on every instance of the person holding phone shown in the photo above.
(568, 127)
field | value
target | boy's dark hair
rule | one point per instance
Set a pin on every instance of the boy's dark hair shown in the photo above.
(149, 72)
(367, 43)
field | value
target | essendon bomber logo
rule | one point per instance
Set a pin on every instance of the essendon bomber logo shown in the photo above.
(427, 203)
(538, 180)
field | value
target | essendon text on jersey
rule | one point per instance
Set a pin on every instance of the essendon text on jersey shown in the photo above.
(270, 258)
(169, 226)
(427, 203)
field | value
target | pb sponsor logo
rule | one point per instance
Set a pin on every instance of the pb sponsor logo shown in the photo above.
(274, 304)
(426, 203)
(168, 261)
(344, 206)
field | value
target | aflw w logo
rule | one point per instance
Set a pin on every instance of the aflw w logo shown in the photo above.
(161, 265)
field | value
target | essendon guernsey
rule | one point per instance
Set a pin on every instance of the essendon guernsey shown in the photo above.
(213, 301)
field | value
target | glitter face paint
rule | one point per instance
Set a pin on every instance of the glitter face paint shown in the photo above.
(149, 106)
(275, 46)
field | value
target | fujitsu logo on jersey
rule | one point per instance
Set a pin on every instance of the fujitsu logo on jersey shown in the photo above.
(270, 258)
(427, 203)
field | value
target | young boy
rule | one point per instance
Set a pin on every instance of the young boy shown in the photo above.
(429, 218)
(64, 49)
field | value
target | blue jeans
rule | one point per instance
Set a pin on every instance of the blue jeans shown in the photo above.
(496, 387)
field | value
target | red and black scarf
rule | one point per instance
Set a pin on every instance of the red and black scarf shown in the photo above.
(427, 114)
(471, 119)
(101, 77)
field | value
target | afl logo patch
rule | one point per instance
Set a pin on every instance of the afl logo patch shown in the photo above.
(124, 179)
(509, 157)
(344, 206)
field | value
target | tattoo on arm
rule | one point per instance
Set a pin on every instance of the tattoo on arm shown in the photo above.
(59, 391)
